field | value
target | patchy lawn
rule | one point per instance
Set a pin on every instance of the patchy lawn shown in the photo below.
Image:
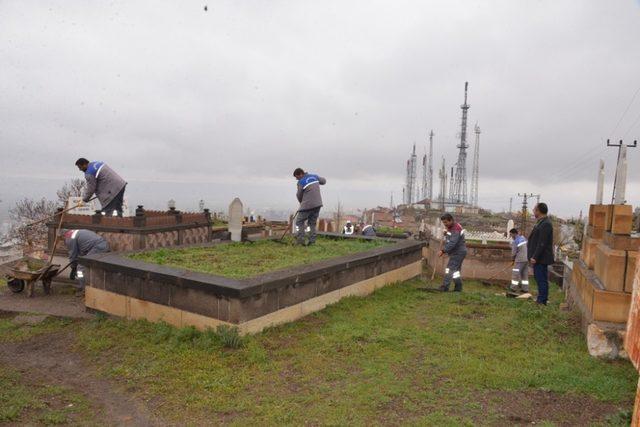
(399, 356)
(241, 260)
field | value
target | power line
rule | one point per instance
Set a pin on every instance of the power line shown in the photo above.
(633, 98)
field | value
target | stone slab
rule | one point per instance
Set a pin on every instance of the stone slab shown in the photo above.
(611, 306)
(621, 242)
(610, 267)
(621, 219)
(595, 232)
(588, 253)
(132, 308)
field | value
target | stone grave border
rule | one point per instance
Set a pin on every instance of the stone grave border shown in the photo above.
(124, 287)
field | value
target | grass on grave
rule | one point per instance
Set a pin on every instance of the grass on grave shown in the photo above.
(242, 260)
(399, 352)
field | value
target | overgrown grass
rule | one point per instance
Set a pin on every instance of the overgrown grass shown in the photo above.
(26, 404)
(399, 354)
(390, 230)
(241, 260)
(12, 332)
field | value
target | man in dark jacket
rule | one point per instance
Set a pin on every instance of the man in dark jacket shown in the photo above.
(107, 185)
(81, 243)
(540, 250)
(310, 199)
(456, 248)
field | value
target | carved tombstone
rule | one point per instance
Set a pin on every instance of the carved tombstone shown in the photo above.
(235, 220)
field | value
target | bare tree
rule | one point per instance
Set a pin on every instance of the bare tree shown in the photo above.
(26, 211)
(73, 188)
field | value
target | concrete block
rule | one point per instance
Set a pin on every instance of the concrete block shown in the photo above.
(598, 216)
(200, 322)
(139, 309)
(622, 219)
(610, 267)
(632, 257)
(588, 253)
(621, 242)
(195, 301)
(595, 232)
(611, 306)
(105, 301)
(608, 217)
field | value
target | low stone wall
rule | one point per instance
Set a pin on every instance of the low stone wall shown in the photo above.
(146, 230)
(492, 261)
(129, 288)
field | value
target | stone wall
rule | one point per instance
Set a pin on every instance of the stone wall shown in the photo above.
(491, 261)
(124, 287)
(146, 230)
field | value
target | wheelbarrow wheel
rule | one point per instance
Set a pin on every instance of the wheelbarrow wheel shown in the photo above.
(16, 285)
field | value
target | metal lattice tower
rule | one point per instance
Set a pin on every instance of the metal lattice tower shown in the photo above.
(443, 183)
(430, 169)
(407, 181)
(459, 194)
(411, 192)
(475, 168)
(423, 186)
(452, 184)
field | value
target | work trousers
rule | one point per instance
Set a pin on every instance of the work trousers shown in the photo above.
(520, 276)
(114, 207)
(540, 272)
(307, 217)
(81, 277)
(453, 271)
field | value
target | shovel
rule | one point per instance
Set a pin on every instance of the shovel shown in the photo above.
(281, 239)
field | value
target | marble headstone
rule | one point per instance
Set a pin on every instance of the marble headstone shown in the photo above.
(235, 220)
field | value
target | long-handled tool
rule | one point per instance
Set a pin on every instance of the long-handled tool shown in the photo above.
(287, 229)
(53, 250)
(433, 273)
(488, 281)
(57, 213)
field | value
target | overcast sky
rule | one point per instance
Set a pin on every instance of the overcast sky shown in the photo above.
(188, 104)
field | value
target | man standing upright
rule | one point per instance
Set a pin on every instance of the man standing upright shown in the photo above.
(540, 250)
(107, 185)
(520, 271)
(456, 248)
(310, 203)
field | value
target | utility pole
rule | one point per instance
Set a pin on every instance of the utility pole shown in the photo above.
(510, 205)
(523, 224)
(475, 169)
(430, 171)
(620, 179)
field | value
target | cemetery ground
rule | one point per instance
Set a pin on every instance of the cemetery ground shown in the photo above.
(398, 356)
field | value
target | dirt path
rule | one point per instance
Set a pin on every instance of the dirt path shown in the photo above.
(62, 302)
(49, 358)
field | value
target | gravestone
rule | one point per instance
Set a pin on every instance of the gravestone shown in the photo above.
(235, 220)
(87, 209)
(510, 226)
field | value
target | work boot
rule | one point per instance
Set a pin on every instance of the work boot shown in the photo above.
(443, 288)
(457, 286)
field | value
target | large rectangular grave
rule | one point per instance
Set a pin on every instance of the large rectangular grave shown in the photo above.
(135, 289)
